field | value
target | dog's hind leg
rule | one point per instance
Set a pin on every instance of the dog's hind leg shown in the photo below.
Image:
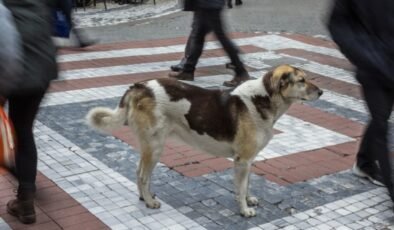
(151, 150)
(241, 178)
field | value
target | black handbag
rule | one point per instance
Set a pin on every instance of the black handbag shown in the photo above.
(189, 5)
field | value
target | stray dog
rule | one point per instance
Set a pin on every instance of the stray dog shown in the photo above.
(234, 123)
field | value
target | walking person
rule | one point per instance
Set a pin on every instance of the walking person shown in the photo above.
(208, 17)
(33, 19)
(65, 6)
(364, 31)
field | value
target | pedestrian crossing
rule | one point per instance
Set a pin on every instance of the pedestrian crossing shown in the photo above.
(113, 197)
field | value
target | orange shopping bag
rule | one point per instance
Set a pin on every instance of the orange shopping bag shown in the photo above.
(7, 141)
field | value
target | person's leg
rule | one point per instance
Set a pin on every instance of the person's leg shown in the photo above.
(216, 23)
(229, 4)
(22, 112)
(66, 7)
(228, 46)
(380, 101)
(179, 67)
(196, 46)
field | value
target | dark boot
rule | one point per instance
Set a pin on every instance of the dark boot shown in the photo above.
(23, 208)
(179, 67)
(237, 80)
(238, 2)
(186, 76)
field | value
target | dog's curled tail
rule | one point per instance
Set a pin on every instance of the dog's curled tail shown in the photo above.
(105, 119)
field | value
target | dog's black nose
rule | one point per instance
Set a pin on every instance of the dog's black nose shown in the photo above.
(320, 92)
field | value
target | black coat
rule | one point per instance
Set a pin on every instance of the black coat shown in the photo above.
(210, 4)
(364, 31)
(33, 19)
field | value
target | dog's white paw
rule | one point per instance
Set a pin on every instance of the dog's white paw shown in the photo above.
(248, 212)
(252, 200)
(154, 204)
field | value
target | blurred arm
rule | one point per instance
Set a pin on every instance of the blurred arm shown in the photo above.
(358, 44)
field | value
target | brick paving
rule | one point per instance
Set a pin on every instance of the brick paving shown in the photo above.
(87, 179)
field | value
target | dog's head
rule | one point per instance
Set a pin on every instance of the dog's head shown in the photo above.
(291, 84)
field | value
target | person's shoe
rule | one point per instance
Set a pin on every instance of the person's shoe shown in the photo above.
(23, 210)
(81, 40)
(230, 65)
(86, 42)
(238, 2)
(177, 67)
(372, 175)
(230, 5)
(237, 80)
(186, 76)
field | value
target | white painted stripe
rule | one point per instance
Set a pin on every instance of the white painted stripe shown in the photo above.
(269, 42)
(4, 225)
(129, 52)
(301, 136)
(373, 206)
(107, 194)
(83, 95)
(329, 71)
(256, 58)
(277, 42)
(348, 103)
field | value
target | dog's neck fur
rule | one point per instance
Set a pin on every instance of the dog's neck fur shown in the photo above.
(261, 92)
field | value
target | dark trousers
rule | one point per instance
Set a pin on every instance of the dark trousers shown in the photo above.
(65, 6)
(374, 146)
(205, 21)
(22, 112)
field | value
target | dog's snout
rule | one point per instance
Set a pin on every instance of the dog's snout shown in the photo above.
(320, 92)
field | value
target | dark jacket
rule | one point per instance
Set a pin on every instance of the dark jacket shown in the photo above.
(33, 19)
(364, 31)
(210, 4)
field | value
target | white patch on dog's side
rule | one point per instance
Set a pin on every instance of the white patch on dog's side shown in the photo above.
(174, 113)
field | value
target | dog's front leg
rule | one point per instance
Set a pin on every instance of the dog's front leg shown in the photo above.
(242, 170)
(250, 199)
(150, 155)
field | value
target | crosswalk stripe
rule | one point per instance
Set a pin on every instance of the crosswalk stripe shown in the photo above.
(269, 42)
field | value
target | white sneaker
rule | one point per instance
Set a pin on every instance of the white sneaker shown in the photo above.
(360, 173)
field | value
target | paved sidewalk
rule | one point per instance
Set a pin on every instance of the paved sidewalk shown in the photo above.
(87, 180)
(117, 14)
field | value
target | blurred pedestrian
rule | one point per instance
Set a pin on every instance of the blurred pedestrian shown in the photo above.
(207, 17)
(364, 31)
(230, 3)
(65, 6)
(33, 19)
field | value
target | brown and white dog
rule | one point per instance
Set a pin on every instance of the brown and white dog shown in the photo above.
(234, 123)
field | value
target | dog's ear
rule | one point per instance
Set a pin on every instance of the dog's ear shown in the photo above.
(284, 79)
(268, 83)
(277, 79)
